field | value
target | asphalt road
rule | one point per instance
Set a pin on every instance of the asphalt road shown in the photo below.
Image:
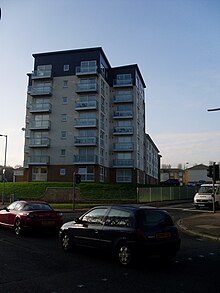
(36, 263)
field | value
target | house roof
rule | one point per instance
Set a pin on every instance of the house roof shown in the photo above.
(199, 167)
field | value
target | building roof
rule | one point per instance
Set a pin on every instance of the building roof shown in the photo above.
(198, 167)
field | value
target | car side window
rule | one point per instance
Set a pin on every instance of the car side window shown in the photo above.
(119, 218)
(95, 216)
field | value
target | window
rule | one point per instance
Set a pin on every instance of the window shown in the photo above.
(62, 171)
(119, 218)
(65, 83)
(64, 100)
(95, 216)
(123, 175)
(66, 67)
(63, 134)
(63, 153)
(64, 117)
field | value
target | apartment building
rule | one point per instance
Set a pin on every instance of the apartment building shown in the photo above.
(84, 116)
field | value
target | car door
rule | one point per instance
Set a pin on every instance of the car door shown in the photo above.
(119, 224)
(87, 230)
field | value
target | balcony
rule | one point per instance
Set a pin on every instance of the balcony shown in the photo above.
(86, 87)
(122, 114)
(85, 141)
(123, 82)
(41, 74)
(89, 105)
(123, 146)
(40, 108)
(89, 70)
(123, 163)
(87, 159)
(39, 124)
(38, 160)
(85, 122)
(125, 98)
(123, 130)
(40, 90)
(39, 142)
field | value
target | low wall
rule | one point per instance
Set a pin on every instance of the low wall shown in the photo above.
(61, 195)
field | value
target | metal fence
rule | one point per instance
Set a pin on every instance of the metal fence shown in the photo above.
(151, 194)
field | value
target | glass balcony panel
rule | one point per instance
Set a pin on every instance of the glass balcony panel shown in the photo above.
(123, 114)
(87, 159)
(87, 87)
(123, 163)
(122, 82)
(39, 142)
(123, 146)
(39, 124)
(40, 107)
(81, 70)
(38, 74)
(40, 90)
(84, 140)
(85, 122)
(123, 130)
(38, 160)
(86, 105)
(123, 98)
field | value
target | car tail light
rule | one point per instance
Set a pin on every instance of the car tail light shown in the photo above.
(141, 235)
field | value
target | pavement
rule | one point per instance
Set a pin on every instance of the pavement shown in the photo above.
(205, 224)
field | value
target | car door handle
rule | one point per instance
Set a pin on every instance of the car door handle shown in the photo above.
(96, 231)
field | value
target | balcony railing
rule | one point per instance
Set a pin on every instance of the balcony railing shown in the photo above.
(84, 140)
(122, 82)
(87, 159)
(40, 107)
(86, 105)
(123, 163)
(85, 122)
(39, 124)
(86, 70)
(123, 114)
(40, 90)
(123, 130)
(41, 74)
(87, 87)
(38, 160)
(123, 146)
(39, 142)
(123, 98)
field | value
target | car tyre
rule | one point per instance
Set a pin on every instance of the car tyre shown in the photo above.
(124, 254)
(66, 242)
(18, 227)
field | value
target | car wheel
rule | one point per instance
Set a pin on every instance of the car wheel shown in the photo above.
(124, 254)
(66, 242)
(217, 205)
(18, 227)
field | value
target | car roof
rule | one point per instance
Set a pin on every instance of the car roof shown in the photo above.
(31, 202)
(130, 207)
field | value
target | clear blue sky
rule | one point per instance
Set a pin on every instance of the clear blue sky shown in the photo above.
(176, 44)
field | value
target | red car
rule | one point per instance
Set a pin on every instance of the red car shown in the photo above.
(23, 215)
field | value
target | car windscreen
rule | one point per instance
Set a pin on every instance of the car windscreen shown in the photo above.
(155, 217)
(206, 189)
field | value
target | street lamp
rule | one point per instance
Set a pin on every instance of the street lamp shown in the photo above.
(4, 168)
(214, 109)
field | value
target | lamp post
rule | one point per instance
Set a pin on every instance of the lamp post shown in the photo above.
(214, 109)
(4, 168)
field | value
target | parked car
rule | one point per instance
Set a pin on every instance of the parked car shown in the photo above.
(205, 196)
(125, 230)
(23, 215)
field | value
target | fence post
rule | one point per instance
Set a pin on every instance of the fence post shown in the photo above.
(161, 194)
(150, 194)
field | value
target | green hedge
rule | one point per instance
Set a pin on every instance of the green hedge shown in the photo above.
(36, 190)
